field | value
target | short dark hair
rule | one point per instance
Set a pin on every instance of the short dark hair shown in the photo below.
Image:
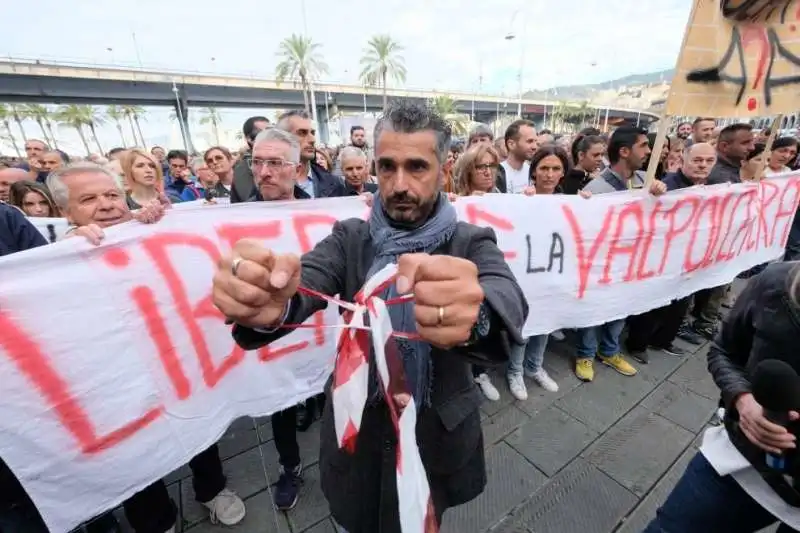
(623, 137)
(757, 150)
(546, 132)
(698, 120)
(590, 130)
(156, 146)
(512, 131)
(686, 122)
(406, 116)
(249, 126)
(783, 142)
(284, 117)
(115, 151)
(545, 151)
(729, 132)
(178, 154)
(356, 128)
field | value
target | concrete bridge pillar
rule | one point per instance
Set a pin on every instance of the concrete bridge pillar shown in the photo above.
(323, 132)
(182, 113)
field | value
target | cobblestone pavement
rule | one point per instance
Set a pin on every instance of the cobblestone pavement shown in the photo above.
(592, 458)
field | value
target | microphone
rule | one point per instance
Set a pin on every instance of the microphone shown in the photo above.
(776, 386)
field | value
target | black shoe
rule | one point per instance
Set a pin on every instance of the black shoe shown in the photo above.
(672, 350)
(287, 489)
(640, 355)
(305, 414)
(707, 332)
(688, 334)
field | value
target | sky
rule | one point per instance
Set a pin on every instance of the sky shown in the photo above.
(448, 44)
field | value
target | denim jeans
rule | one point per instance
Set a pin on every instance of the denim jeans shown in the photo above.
(606, 335)
(705, 502)
(528, 356)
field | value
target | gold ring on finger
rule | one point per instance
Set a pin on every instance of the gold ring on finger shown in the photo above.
(440, 319)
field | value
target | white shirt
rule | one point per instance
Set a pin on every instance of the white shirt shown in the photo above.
(517, 180)
(768, 172)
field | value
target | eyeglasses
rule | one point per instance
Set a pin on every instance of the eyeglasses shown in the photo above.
(271, 164)
(481, 168)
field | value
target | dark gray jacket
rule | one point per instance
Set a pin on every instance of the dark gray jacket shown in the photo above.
(361, 488)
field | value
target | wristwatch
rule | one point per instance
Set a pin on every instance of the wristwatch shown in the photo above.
(482, 326)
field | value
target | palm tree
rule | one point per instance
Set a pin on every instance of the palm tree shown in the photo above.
(446, 107)
(134, 113)
(93, 119)
(18, 114)
(38, 113)
(74, 116)
(301, 61)
(116, 114)
(212, 116)
(380, 61)
(5, 118)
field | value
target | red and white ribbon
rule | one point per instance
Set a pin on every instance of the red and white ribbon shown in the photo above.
(350, 392)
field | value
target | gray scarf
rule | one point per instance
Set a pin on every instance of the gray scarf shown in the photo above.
(389, 243)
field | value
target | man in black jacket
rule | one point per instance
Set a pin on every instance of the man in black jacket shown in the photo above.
(243, 187)
(466, 307)
(312, 178)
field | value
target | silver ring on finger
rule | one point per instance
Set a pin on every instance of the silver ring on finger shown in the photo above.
(235, 266)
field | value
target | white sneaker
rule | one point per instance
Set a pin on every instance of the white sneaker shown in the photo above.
(558, 335)
(226, 508)
(489, 390)
(543, 379)
(517, 387)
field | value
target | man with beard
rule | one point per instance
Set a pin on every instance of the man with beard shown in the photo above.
(91, 199)
(466, 307)
(521, 143)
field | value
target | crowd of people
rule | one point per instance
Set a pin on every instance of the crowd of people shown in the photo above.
(284, 162)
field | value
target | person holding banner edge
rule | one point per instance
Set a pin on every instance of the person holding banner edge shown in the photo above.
(91, 199)
(468, 308)
(628, 148)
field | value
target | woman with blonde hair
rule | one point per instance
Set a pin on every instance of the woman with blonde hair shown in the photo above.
(143, 179)
(476, 171)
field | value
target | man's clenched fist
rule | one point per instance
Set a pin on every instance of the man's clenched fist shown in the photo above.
(254, 284)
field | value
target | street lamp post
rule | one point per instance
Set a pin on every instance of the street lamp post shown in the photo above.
(510, 37)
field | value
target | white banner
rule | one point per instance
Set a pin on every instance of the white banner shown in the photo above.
(54, 229)
(117, 369)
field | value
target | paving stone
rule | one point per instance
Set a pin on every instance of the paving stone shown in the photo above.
(646, 510)
(326, 526)
(694, 375)
(498, 426)
(512, 479)
(312, 506)
(677, 404)
(600, 403)
(245, 474)
(551, 439)
(559, 366)
(499, 381)
(236, 441)
(660, 365)
(580, 499)
(639, 449)
(261, 517)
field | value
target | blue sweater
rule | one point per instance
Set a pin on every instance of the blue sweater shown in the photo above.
(16, 233)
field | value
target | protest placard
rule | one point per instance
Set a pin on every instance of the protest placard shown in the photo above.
(117, 368)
